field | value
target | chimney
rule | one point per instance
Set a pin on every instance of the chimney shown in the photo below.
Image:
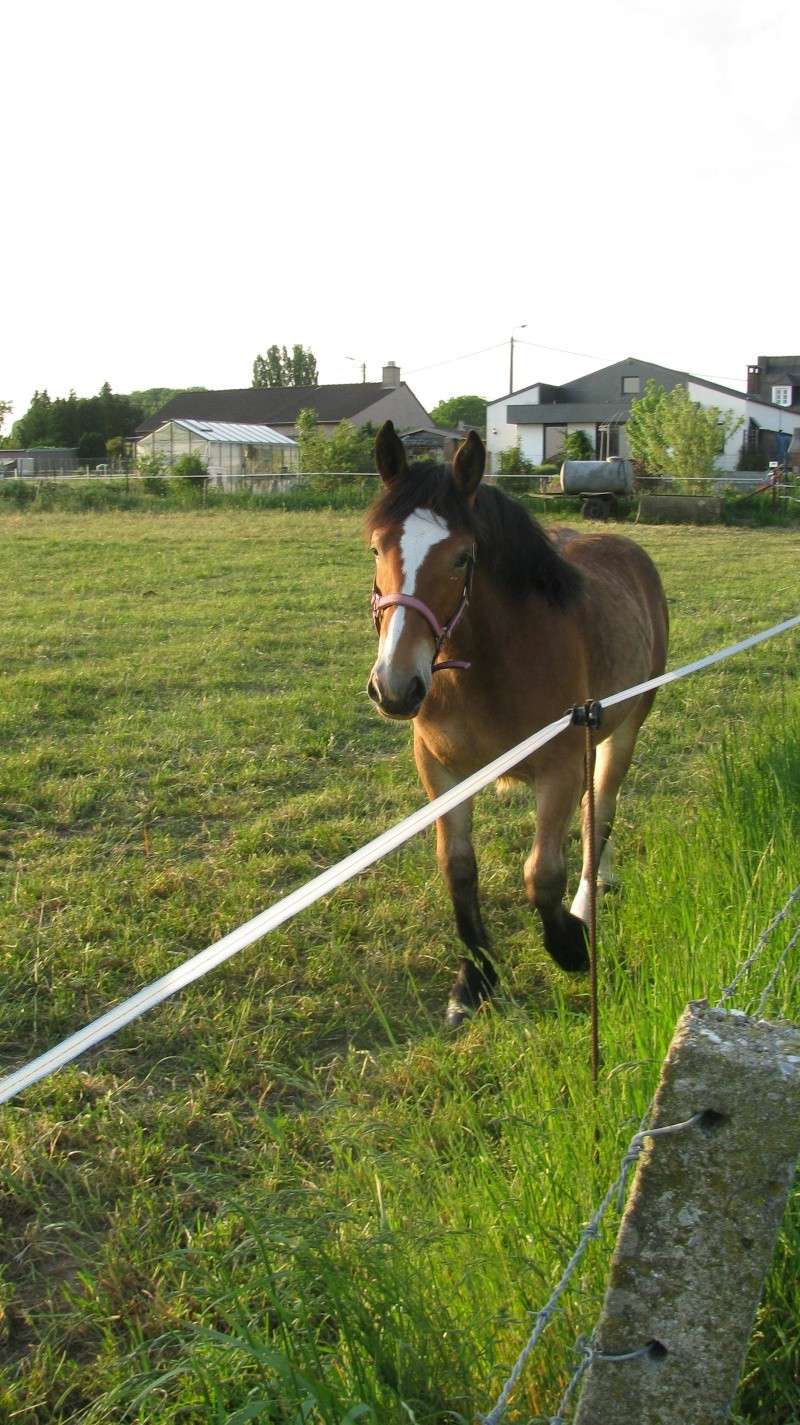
(391, 374)
(753, 380)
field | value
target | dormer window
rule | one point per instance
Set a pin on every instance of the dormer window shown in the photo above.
(782, 395)
(631, 385)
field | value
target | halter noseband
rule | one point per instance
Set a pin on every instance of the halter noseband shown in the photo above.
(440, 631)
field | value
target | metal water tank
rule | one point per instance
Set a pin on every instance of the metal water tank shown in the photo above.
(587, 477)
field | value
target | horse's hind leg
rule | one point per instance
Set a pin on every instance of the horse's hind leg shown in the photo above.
(558, 788)
(611, 767)
(476, 975)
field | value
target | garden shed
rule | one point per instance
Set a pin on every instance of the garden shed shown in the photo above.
(227, 448)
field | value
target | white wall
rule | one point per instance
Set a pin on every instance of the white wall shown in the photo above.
(737, 405)
(500, 435)
(531, 442)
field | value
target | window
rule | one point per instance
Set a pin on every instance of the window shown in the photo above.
(554, 437)
(782, 395)
(631, 385)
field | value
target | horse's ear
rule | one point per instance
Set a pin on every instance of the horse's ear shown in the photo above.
(468, 464)
(390, 454)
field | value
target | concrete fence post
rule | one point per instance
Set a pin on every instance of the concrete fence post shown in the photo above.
(698, 1233)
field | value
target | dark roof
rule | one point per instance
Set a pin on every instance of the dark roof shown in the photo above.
(603, 385)
(270, 405)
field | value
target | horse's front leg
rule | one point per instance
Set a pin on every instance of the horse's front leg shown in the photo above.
(476, 975)
(559, 783)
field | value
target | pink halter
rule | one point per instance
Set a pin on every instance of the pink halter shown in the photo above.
(440, 631)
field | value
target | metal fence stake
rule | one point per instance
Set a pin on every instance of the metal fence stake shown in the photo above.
(699, 1230)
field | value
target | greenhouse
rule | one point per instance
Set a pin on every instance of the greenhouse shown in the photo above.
(227, 449)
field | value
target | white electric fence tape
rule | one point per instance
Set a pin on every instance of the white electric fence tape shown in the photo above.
(314, 890)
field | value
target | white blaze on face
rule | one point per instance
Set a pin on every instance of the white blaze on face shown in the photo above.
(421, 531)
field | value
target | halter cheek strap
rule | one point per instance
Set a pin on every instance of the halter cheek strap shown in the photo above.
(440, 631)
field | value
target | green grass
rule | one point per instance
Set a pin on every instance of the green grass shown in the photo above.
(287, 1193)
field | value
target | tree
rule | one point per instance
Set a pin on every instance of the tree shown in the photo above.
(69, 420)
(349, 448)
(5, 410)
(115, 450)
(469, 409)
(673, 435)
(153, 398)
(91, 445)
(303, 365)
(277, 368)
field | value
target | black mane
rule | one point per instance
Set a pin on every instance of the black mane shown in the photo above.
(511, 547)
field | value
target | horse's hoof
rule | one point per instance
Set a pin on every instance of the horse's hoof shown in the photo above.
(567, 942)
(457, 1014)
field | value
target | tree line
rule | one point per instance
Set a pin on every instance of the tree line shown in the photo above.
(86, 423)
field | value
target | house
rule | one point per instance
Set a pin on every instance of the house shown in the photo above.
(539, 417)
(775, 379)
(226, 448)
(279, 406)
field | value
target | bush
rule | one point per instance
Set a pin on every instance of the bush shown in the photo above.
(152, 467)
(18, 492)
(190, 475)
(513, 462)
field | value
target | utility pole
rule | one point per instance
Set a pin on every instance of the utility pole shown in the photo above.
(363, 366)
(518, 328)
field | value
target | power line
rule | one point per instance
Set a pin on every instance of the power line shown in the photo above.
(562, 350)
(448, 361)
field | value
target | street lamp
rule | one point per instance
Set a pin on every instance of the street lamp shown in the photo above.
(363, 366)
(518, 328)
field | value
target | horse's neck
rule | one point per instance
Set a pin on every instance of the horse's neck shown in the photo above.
(504, 629)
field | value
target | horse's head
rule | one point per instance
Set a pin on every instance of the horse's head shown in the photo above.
(424, 553)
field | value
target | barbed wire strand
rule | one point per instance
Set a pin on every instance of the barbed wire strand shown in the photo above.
(765, 993)
(589, 1233)
(729, 990)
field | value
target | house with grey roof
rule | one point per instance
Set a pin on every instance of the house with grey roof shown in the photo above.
(279, 406)
(539, 418)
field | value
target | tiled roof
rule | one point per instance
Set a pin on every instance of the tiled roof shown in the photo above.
(269, 405)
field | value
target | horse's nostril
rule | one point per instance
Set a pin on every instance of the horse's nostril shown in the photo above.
(417, 690)
(373, 691)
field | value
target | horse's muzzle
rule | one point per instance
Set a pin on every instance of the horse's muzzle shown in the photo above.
(405, 703)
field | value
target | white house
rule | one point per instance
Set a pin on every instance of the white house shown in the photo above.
(539, 418)
(227, 448)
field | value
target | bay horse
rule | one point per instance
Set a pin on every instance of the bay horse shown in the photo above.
(489, 629)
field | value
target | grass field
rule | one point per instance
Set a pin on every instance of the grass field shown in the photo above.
(287, 1195)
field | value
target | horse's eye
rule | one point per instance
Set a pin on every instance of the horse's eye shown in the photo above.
(373, 550)
(463, 559)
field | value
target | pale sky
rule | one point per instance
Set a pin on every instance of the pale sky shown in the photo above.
(186, 183)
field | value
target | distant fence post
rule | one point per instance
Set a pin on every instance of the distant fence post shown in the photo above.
(699, 1230)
